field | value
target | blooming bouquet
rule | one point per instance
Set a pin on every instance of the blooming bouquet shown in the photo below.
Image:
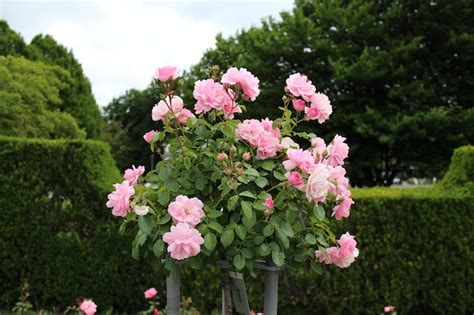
(240, 191)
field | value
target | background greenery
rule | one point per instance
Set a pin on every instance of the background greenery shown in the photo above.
(57, 236)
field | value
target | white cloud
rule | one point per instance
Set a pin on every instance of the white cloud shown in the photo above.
(120, 43)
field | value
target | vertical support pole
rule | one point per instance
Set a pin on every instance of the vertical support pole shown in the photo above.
(172, 292)
(271, 290)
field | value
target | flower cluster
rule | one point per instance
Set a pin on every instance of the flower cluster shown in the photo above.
(88, 307)
(238, 190)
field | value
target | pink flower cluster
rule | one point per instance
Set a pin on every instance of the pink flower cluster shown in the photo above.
(221, 96)
(171, 107)
(184, 240)
(166, 73)
(342, 255)
(318, 171)
(119, 200)
(261, 136)
(150, 293)
(303, 91)
(88, 307)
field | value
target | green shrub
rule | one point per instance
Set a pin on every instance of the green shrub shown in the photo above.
(55, 233)
(461, 170)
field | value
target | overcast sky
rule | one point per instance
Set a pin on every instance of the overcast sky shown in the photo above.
(120, 43)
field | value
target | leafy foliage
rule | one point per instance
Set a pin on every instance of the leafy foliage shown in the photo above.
(461, 170)
(390, 67)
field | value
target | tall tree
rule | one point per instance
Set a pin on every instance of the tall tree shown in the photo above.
(11, 43)
(78, 100)
(399, 74)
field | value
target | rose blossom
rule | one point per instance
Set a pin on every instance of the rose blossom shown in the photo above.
(318, 184)
(269, 203)
(267, 146)
(119, 199)
(260, 135)
(149, 135)
(230, 109)
(320, 108)
(183, 115)
(132, 174)
(88, 307)
(341, 256)
(295, 179)
(141, 210)
(319, 146)
(185, 210)
(389, 309)
(298, 104)
(342, 209)
(246, 156)
(165, 73)
(245, 79)
(287, 143)
(150, 293)
(209, 95)
(160, 111)
(297, 158)
(299, 85)
(183, 241)
(337, 151)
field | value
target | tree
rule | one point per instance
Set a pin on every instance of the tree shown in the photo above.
(30, 100)
(11, 43)
(399, 74)
(78, 100)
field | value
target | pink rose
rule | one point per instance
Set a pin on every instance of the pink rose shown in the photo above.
(132, 174)
(342, 209)
(318, 184)
(297, 158)
(337, 151)
(249, 131)
(160, 111)
(340, 188)
(267, 125)
(230, 110)
(260, 135)
(389, 309)
(183, 115)
(88, 307)
(150, 293)
(209, 95)
(269, 203)
(295, 179)
(299, 85)
(119, 200)
(267, 146)
(183, 241)
(245, 79)
(320, 108)
(319, 146)
(341, 256)
(185, 210)
(298, 104)
(149, 135)
(166, 73)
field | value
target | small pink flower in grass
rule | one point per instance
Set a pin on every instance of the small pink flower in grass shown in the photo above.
(299, 105)
(269, 203)
(320, 108)
(149, 135)
(166, 73)
(185, 210)
(132, 174)
(299, 85)
(295, 179)
(389, 309)
(119, 199)
(150, 293)
(245, 79)
(88, 307)
(337, 151)
(183, 241)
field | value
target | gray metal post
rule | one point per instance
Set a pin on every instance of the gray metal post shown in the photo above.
(271, 290)
(172, 293)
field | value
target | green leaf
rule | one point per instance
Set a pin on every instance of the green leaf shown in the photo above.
(240, 231)
(278, 258)
(319, 212)
(258, 240)
(249, 222)
(232, 202)
(322, 241)
(259, 205)
(239, 261)
(210, 241)
(268, 165)
(158, 247)
(265, 250)
(166, 217)
(261, 182)
(252, 172)
(287, 229)
(145, 223)
(213, 214)
(247, 194)
(268, 230)
(279, 176)
(247, 208)
(310, 239)
(227, 237)
(243, 179)
(163, 196)
(215, 226)
(164, 173)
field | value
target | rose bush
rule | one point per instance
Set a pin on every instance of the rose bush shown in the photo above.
(241, 191)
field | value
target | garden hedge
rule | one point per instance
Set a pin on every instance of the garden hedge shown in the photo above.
(416, 245)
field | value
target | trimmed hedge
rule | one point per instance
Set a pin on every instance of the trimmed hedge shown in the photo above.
(55, 233)
(461, 170)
